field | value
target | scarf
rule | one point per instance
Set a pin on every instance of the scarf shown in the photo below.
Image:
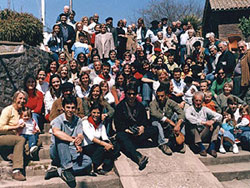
(106, 79)
(90, 119)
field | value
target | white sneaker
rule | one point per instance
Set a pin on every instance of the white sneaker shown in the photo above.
(33, 149)
(235, 149)
(222, 150)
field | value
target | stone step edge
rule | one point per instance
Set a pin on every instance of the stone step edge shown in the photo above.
(112, 180)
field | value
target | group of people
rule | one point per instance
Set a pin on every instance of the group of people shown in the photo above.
(111, 89)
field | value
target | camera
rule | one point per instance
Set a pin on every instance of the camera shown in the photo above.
(134, 129)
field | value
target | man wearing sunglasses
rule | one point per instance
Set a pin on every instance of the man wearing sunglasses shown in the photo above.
(133, 127)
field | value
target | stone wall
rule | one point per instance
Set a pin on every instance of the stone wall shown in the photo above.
(18, 63)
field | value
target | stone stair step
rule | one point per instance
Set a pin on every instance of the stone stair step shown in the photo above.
(236, 183)
(110, 180)
(44, 152)
(229, 157)
(34, 168)
(45, 138)
(47, 127)
(227, 172)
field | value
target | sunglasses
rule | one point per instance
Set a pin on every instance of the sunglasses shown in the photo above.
(129, 94)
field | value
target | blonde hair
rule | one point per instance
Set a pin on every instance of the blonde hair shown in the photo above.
(159, 72)
(208, 93)
(20, 92)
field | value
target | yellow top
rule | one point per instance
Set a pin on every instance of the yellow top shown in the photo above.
(9, 117)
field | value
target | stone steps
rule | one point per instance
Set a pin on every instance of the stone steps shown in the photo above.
(245, 183)
(227, 172)
(108, 181)
(229, 157)
(229, 166)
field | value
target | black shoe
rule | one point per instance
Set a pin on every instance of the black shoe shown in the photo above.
(51, 173)
(213, 153)
(101, 172)
(143, 160)
(165, 149)
(68, 177)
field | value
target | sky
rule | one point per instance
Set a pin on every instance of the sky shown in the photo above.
(118, 9)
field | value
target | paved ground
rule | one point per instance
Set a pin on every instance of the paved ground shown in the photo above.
(178, 170)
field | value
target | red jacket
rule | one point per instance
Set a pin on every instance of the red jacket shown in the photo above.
(35, 102)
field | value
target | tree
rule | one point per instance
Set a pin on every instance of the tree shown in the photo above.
(172, 9)
(245, 27)
(17, 27)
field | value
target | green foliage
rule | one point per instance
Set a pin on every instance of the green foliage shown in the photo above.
(245, 26)
(194, 20)
(17, 27)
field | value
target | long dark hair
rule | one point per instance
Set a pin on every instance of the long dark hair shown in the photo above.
(52, 90)
(27, 77)
(85, 59)
(99, 100)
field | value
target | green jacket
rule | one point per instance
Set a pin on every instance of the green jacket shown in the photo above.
(167, 111)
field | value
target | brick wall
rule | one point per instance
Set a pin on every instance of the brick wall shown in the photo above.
(225, 30)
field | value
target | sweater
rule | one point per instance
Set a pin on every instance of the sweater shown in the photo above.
(35, 102)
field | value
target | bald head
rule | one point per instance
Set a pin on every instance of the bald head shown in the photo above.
(66, 9)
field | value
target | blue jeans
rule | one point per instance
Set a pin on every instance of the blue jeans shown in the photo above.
(32, 139)
(146, 94)
(65, 157)
(161, 137)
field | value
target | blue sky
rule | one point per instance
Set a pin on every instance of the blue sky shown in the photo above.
(118, 9)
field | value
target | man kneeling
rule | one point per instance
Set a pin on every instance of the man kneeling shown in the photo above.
(66, 150)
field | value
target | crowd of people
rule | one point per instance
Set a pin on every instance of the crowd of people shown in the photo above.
(110, 89)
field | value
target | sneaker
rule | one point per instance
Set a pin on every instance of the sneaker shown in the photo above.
(165, 149)
(68, 177)
(18, 176)
(235, 149)
(222, 150)
(51, 173)
(33, 150)
(143, 160)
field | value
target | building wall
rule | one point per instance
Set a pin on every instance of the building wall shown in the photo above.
(226, 30)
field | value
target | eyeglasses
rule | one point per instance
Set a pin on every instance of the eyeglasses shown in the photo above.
(129, 94)
(240, 47)
(221, 73)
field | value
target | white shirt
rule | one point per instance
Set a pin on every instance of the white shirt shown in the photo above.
(90, 132)
(48, 101)
(98, 79)
(178, 86)
(43, 88)
(30, 126)
(109, 98)
(188, 96)
(183, 38)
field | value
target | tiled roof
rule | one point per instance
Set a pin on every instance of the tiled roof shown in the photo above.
(229, 4)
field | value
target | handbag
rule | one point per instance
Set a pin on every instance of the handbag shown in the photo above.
(180, 138)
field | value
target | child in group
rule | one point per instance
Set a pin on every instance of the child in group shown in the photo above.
(189, 90)
(30, 130)
(209, 103)
(226, 131)
(244, 120)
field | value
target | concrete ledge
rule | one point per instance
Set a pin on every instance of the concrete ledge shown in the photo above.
(178, 170)
(112, 180)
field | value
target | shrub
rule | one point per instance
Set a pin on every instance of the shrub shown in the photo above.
(245, 26)
(17, 27)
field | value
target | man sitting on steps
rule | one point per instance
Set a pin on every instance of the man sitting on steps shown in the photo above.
(66, 150)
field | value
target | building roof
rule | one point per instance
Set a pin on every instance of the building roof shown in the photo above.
(229, 4)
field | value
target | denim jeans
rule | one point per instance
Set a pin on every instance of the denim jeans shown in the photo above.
(65, 157)
(32, 139)
(161, 137)
(146, 94)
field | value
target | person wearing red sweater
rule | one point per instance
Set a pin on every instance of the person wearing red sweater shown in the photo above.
(35, 97)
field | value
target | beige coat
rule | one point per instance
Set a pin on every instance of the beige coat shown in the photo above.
(245, 75)
(104, 43)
